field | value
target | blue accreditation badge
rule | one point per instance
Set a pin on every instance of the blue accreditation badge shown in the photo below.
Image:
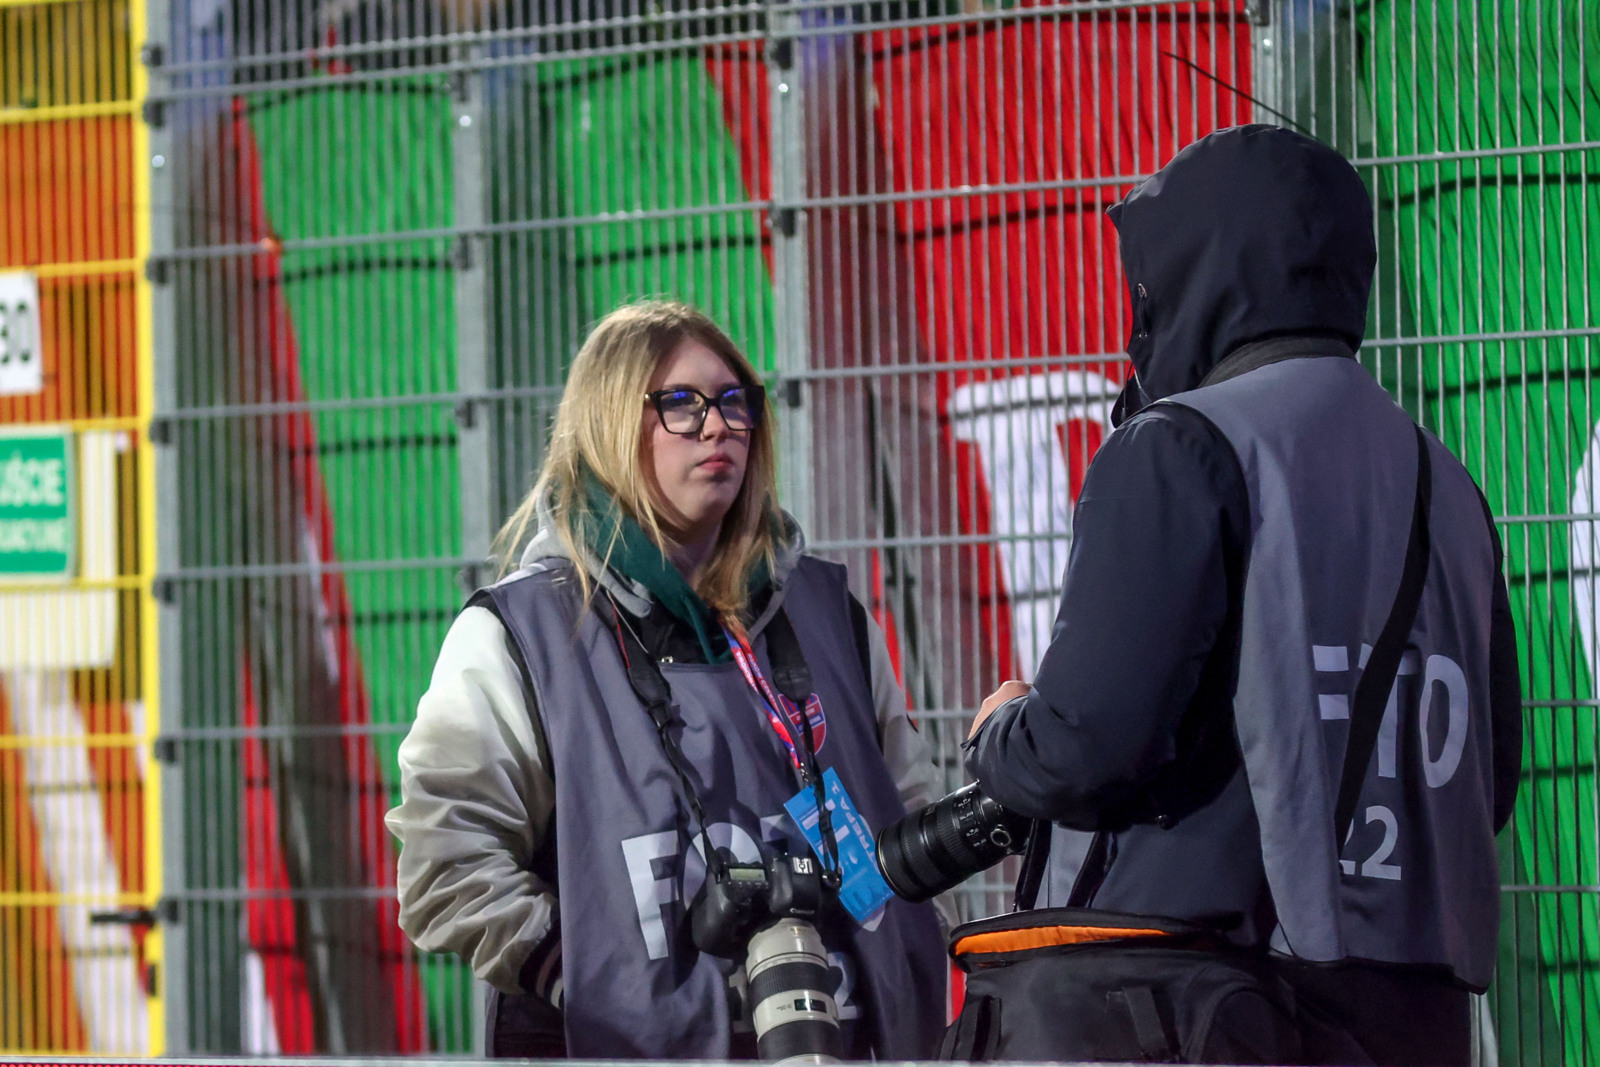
(862, 889)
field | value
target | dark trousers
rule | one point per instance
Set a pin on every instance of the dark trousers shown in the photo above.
(1360, 1014)
(526, 1028)
(523, 1028)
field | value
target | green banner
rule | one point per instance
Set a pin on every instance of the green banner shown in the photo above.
(1489, 112)
(38, 524)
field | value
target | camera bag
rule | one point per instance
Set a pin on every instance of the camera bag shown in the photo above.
(1078, 984)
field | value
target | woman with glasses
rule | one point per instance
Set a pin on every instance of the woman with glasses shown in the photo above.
(642, 714)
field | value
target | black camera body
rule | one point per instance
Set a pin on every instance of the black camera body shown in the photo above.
(742, 897)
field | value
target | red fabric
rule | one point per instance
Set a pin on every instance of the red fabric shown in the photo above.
(739, 72)
(270, 918)
(1034, 275)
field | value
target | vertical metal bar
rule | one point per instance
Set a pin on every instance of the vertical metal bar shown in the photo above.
(473, 424)
(1269, 44)
(476, 423)
(791, 298)
(161, 631)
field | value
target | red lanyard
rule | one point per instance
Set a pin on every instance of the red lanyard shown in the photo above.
(778, 707)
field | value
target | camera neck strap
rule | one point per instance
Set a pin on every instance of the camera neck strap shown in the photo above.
(1383, 663)
(650, 686)
(793, 678)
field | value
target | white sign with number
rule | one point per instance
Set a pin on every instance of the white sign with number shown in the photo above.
(21, 340)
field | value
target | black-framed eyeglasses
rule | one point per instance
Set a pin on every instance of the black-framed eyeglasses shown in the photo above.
(683, 411)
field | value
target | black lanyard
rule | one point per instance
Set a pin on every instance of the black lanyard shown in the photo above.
(792, 677)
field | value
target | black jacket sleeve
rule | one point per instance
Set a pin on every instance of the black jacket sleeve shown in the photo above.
(1158, 533)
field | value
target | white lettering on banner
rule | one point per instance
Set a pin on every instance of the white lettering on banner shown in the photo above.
(1446, 672)
(1013, 422)
(35, 535)
(21, 351)
(1584, 603)
(32, 483)
(324, 619)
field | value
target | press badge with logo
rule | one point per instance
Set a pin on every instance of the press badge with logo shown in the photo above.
(862, 889)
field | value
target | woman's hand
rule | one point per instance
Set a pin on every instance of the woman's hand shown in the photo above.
(1008, 691)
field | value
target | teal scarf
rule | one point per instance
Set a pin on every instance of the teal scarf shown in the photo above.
(638, 558)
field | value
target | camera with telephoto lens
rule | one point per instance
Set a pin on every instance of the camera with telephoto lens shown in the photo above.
(763, 911)
(944, 844)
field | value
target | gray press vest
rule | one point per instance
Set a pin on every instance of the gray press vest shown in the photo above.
(626, 853)
(1329, 461)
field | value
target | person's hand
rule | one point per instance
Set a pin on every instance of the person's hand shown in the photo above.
(1007, 691)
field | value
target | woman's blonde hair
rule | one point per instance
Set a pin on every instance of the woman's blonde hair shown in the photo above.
(600, 429)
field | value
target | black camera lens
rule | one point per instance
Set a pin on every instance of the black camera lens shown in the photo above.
(947, 842)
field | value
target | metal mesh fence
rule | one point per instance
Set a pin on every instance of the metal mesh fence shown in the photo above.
(1476, 127)
(380, 229)
(76, 631)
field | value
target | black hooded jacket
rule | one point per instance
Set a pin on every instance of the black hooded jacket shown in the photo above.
(1252, 242)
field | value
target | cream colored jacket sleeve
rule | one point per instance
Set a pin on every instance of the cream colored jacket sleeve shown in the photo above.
(476, 802)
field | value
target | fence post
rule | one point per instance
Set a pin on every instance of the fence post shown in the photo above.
(156, 168)
(791, 297)
(470, 259)
(473, 414)
(1270, 41)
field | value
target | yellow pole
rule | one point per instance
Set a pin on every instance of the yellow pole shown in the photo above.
(149, 660)
(67, 112)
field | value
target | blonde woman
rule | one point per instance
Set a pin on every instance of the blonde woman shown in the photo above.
(555, 809)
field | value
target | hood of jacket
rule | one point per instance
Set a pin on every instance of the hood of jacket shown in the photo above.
(631, 595)
(1250, 233)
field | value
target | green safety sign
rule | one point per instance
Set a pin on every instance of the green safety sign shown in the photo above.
(38, 532)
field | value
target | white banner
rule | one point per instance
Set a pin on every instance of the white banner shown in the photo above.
(21, 339)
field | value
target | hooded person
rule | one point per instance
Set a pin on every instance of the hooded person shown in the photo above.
(560, 819)
(1237, 546)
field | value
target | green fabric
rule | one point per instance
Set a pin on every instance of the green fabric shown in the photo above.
(1497, 245)
(631, 552)
(378, 320)
(652, 133)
